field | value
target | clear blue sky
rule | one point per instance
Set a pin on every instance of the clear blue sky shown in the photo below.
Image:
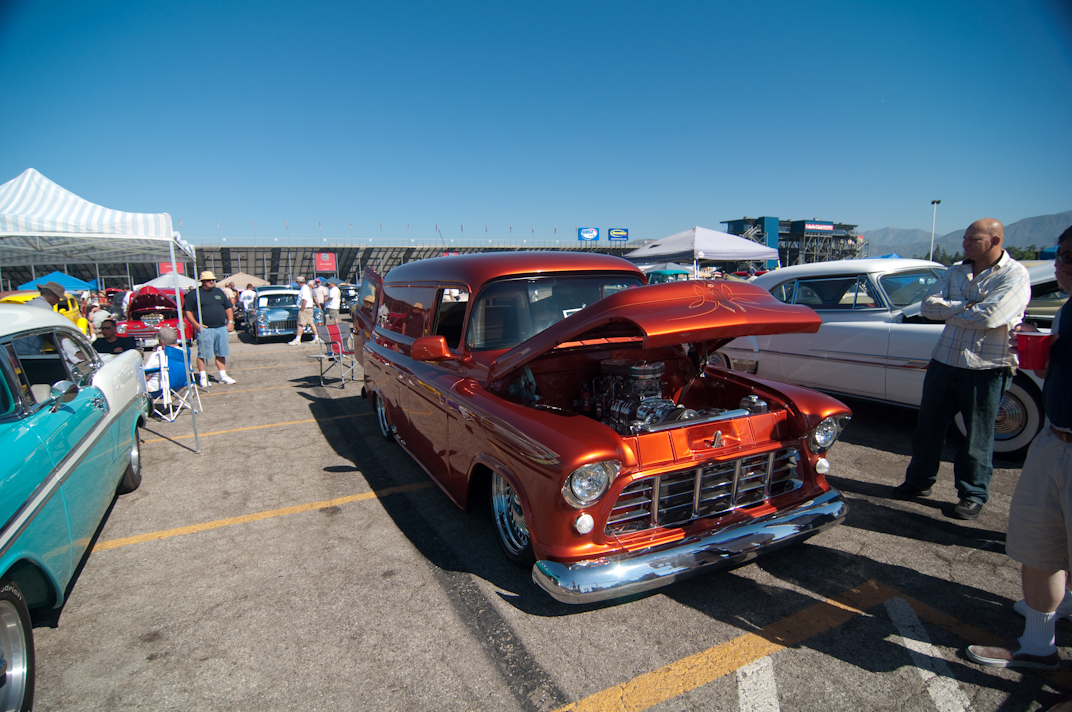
(650, 116)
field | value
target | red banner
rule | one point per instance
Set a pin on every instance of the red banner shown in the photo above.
(165, 267)
(324, 261)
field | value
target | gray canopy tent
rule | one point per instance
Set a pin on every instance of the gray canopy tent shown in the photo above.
(42, 223)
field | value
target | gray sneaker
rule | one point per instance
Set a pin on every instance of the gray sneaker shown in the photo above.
(1009, 655)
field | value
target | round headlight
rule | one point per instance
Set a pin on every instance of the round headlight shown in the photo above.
(824, 435)
(262, 318)
(588, 483)
(121, 328)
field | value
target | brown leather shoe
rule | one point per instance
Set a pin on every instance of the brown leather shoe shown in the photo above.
(1008, 655)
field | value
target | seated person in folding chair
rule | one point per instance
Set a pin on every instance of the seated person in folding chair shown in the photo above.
(167, 357)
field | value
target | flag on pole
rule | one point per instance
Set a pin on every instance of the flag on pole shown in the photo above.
(180, 223)
(286, 225)
(463, 228)
(317, 224)
(217, 224)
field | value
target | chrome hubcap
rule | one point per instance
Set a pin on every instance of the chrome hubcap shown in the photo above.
(1011, 419)
(509, 517)
(135, 456)
(13, 655)
(381, 416)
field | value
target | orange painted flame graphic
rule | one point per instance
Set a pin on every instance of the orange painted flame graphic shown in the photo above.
(712, 296)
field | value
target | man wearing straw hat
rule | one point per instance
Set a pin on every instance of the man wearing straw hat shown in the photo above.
(216, 309)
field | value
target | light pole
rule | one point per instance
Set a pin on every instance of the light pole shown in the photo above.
(934, 215)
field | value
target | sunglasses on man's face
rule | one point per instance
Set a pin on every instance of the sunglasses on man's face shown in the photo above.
(1064, 258)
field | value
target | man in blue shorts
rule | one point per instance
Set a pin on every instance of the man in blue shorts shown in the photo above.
(212, 334)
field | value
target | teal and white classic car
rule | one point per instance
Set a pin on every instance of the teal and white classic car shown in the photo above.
(69, 437)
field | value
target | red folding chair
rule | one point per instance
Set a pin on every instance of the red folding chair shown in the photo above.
(336, 350)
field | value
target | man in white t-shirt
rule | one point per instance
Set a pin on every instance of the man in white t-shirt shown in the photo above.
(306, 302)
(247, 297)
(331, 305)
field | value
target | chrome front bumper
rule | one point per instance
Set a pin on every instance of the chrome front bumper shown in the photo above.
(627, 574)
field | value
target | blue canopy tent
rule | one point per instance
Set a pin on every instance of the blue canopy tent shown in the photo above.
(1049, 253)
(71, 284)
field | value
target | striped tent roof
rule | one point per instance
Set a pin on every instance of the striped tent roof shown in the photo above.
(42, 223)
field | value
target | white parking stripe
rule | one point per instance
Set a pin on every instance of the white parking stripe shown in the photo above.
(757, 691)
(937, 677)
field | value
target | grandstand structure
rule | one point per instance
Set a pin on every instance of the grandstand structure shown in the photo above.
(282, 264)
(801, 241)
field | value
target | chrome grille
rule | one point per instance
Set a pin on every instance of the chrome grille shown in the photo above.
(292, 324)
(712, 489)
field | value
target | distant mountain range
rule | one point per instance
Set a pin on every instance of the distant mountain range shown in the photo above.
(1041, 231)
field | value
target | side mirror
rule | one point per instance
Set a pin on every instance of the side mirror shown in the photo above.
(430, 348)
(63, 392)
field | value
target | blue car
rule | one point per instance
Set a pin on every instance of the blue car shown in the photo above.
(275, 313)
(69, 421)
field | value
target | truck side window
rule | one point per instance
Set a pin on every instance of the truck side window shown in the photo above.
(409, 309)
(450, 315)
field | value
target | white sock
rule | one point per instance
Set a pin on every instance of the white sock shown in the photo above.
(202, 375)
(1039, 633)
(223, 374)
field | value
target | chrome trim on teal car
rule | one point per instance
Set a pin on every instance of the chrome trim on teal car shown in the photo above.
(613, 577)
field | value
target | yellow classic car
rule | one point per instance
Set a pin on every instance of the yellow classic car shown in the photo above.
(69, 306)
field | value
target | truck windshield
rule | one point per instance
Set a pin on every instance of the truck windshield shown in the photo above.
(510, 311)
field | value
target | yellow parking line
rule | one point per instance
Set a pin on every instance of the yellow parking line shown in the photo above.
(689, 673)
(256, 516)
(256, 427)
(228, 391)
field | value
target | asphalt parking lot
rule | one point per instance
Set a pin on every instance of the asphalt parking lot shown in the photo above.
(300, 561)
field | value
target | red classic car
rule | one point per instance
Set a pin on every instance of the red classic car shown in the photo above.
(590, 407)
(150, 309)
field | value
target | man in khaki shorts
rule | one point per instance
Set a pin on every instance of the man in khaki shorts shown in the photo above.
(1040, 516)
(305, 313)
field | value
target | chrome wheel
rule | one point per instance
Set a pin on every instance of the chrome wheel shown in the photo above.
(16, 650)
(510, 521)
(381, 416)
(132, 476)
(1018, 421)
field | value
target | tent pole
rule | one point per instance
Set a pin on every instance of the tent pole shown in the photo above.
(182, 340)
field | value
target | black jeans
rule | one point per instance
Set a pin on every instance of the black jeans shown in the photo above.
(948, 390)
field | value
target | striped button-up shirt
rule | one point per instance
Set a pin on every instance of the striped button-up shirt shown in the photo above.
(977, 336)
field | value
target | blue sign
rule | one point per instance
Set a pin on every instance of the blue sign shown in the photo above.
(617, 233)
(588, 233)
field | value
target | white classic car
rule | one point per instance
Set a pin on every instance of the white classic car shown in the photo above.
(873, 343)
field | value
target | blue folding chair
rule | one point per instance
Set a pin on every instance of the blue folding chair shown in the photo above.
(181, 391)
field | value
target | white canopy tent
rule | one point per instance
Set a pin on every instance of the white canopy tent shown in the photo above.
(42, 223)
(699, 243)
(170, 281)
